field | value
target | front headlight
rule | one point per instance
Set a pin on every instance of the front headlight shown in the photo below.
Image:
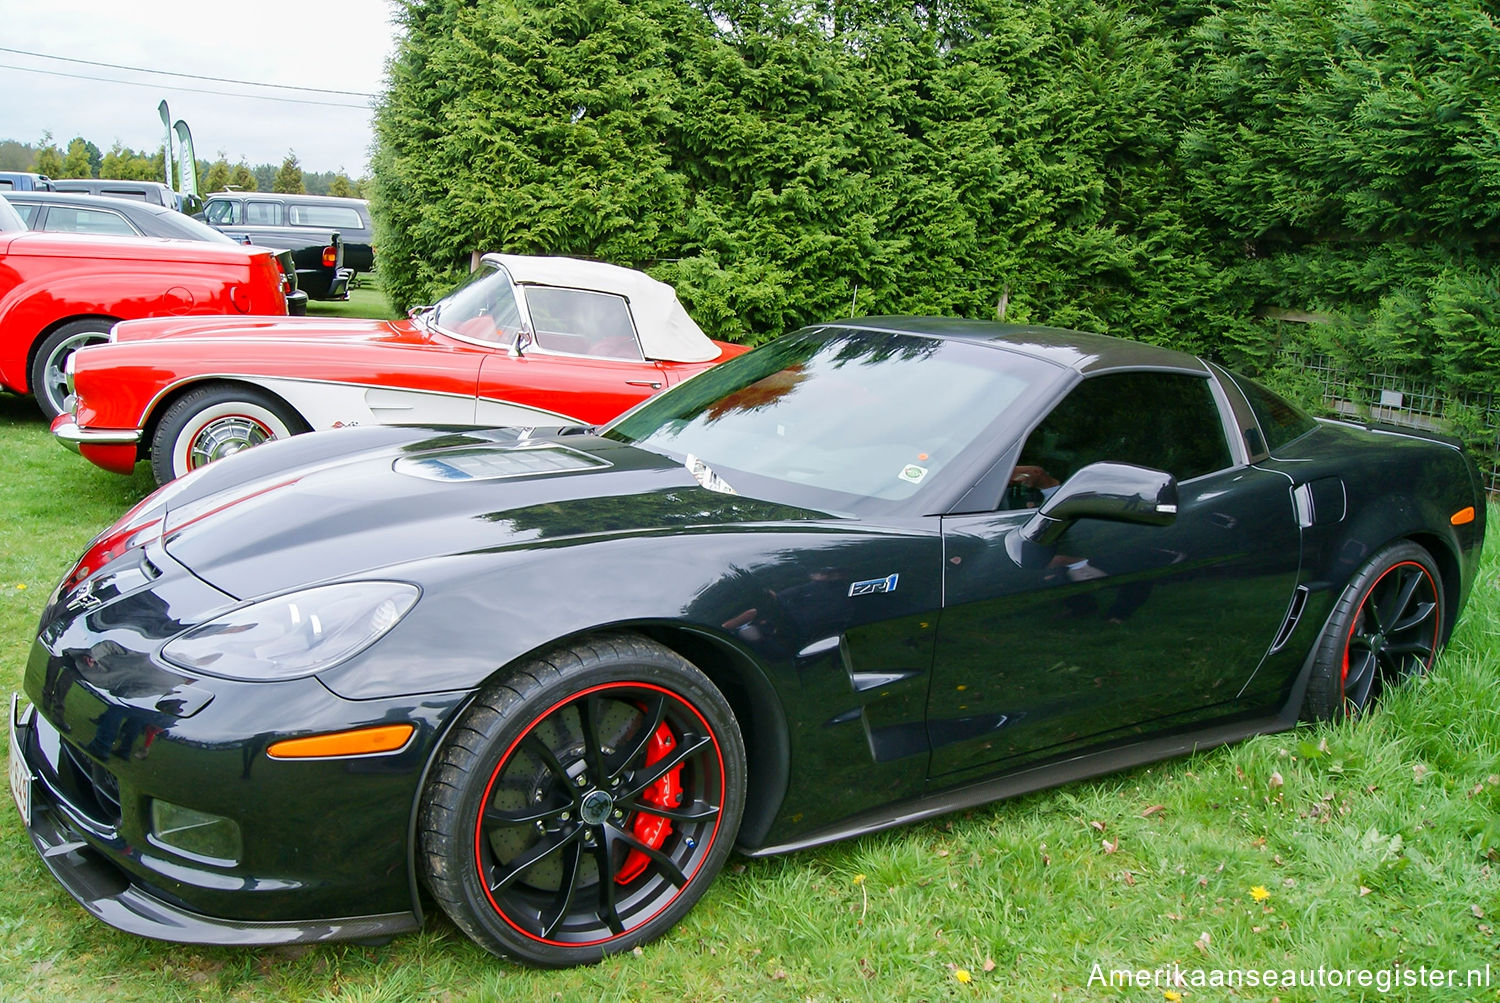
(293, 635)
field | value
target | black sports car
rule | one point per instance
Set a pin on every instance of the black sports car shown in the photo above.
(868, 573)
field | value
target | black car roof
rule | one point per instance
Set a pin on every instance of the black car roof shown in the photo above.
(90, 201)
(1078, 350)
(285, 197)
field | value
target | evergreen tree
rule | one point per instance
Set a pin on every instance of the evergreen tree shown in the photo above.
(49, 159)
(1186, 173)
(243, 178)
(76, 163)
(116, 161)
(217, 176)
(289, 177)
(15, 156)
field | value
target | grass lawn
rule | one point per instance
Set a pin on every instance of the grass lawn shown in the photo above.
(365, 301)
(1355, 846)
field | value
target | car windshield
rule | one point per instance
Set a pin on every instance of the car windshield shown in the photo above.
(483, 308)
(848, 420)
(10, 220)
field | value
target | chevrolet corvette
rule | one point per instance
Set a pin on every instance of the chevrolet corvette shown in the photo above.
(533, 341)
(868, 573)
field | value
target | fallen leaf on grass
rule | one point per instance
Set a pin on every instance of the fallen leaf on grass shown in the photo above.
(1110, 847)
(1276, 780)
(1155, 809)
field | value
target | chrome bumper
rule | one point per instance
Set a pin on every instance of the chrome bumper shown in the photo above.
(65, 427)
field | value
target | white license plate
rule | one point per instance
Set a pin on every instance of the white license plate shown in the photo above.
(20, 776)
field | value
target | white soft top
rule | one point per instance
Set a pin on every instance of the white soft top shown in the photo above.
(665, 329)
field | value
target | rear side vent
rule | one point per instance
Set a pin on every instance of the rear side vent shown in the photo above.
(1293, 615)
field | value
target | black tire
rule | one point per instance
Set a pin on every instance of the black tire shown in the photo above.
(1387, 625)
(559, 773)
(48, 376)
(215, 421)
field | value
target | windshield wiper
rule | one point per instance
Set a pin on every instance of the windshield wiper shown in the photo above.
(706, 477)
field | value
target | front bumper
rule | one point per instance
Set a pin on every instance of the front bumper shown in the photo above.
(65, 837)
(114, 449)
(117, 738)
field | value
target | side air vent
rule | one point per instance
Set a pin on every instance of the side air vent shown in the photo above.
(1293, 615)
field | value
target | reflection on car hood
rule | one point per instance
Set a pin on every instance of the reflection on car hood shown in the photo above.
(268, 329)
(462, 491)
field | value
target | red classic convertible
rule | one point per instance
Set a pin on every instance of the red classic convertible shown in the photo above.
(530, 341)
(60, 291)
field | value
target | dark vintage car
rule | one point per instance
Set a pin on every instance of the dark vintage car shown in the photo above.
(866, 574)
(271, 218)
(72, 212)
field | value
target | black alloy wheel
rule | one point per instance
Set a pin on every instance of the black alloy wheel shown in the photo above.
(584, 803)
(1386, 626)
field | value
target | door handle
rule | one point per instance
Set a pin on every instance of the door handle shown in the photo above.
(653, 384)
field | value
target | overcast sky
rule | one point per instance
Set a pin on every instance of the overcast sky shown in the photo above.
(336, 46)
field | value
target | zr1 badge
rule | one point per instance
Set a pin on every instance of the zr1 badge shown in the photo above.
(874, 586)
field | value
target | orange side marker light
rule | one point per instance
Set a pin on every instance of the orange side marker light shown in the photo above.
(1463, 516)
(359, 742)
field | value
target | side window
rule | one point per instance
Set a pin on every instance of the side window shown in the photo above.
(28, 211)
(69, 219)
(332, 216)
(223, 211)
(262, 213)
(582, 322)
(1280, 421)
(1165, 421)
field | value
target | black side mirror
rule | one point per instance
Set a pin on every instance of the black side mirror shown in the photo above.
(1119, 492)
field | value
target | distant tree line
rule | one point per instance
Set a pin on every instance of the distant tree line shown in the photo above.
(82, 159)
(1208, 175)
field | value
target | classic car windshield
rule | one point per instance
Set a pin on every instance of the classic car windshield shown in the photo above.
(482, 309)
(861, 414)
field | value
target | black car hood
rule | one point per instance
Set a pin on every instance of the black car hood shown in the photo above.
(367, 512)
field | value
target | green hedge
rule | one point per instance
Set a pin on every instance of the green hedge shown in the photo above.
(1183, 174)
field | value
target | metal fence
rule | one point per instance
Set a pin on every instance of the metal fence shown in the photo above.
(1400, 400)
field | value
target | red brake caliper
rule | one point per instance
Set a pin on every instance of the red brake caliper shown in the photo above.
(666, 792)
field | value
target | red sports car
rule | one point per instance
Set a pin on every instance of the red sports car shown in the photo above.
(61, 291)
(529, 341)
